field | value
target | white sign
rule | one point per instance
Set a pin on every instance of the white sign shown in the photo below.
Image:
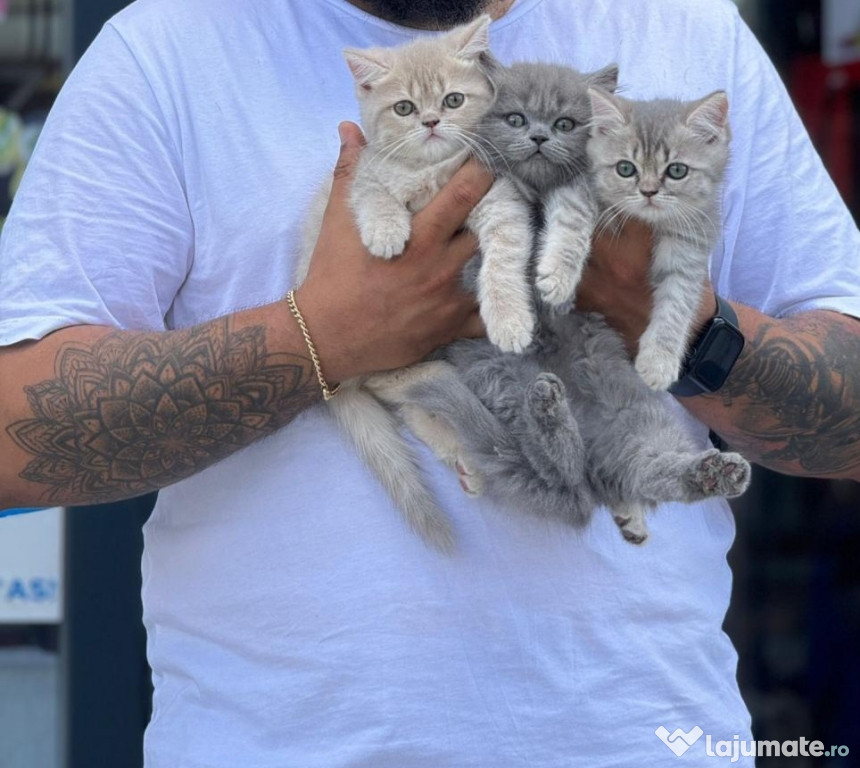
(31, 567)
(841, 31)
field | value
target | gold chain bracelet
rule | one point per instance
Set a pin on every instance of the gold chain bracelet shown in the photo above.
(328, 394)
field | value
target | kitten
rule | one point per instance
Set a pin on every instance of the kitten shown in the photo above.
(539, 126)
(420, 106)
(569, 425)
(663, 162)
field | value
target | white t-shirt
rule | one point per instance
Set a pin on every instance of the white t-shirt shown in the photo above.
(292, 619)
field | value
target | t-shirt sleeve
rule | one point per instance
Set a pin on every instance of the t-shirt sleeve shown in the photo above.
(99, 232)
(791, 244)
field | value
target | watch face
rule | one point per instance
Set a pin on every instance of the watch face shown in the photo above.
(717, 354)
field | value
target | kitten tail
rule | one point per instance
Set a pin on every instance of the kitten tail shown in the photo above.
(374, 433)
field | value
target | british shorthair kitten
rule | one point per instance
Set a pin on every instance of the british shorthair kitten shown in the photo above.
(421, 105)
(663, 162)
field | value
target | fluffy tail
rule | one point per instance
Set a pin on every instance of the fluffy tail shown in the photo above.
(374, 432)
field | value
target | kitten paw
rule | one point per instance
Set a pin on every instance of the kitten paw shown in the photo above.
(721, 474)
(636, 532)
(510, 332)
(657, 370)
(556, 287)
(471, 479)
(631, 522)
(546, 397)
(387, 237)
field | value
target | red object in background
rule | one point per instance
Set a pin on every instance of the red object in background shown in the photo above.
(828, 100)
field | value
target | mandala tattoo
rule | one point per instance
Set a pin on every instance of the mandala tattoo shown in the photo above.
(132, 414)
(799, 393)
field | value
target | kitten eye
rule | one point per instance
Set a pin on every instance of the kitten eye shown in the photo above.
(515, 119)
(404, 108)
(564, 124)
(677, 171)
(454, 100)
(625, 169)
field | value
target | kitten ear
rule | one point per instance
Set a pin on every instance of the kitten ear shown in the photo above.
(368, 67)
(471, 41)
(606, 112)
(709, 117)
(492, 69)
(606, 78)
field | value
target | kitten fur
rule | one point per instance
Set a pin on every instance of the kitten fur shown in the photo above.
(570, 425)
(652, 138)
(549, 164)
(411, 153)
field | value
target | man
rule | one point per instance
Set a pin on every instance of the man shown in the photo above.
(293, 620)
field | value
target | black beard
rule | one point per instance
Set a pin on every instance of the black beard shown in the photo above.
(440, 14)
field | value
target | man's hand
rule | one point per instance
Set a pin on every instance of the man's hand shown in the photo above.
(616, 283)
(369, 314)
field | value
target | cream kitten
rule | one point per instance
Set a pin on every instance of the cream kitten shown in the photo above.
(420, 107)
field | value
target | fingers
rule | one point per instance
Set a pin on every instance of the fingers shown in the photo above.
(448, 211)
(338, 235)
(351, 143)
(474, 327)
(460, 249)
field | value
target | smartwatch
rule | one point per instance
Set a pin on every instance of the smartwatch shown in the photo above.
(712, 355)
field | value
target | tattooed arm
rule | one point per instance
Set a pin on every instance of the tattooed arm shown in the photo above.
(792, 401)
(90, 414)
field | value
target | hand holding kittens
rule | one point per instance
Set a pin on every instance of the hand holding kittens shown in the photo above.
(369, 314)
(616, 283)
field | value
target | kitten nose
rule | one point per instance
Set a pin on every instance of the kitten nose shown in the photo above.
(649, 192)
(539, 138)
(431, 122)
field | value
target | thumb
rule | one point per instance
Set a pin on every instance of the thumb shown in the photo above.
(351, 143)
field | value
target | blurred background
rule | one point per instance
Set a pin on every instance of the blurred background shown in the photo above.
(74, 684)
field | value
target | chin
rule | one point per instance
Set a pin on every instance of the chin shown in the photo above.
(537, 170)
(438, 148)
(650, 213)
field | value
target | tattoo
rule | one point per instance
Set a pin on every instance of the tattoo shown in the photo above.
(132, 414)
(799, 393)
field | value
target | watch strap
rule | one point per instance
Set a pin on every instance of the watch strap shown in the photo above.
(725, 320)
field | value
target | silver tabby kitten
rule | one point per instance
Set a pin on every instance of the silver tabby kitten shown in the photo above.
(570, 425)
(663, 162)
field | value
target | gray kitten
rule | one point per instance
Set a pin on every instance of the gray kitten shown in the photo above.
(663, 162)
(569, 425)
(539, 129)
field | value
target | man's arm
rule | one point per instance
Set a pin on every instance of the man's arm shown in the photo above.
(92, 414)
(792, 400)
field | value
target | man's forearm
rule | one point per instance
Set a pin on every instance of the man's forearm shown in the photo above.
(792, 401)
(92, 414)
